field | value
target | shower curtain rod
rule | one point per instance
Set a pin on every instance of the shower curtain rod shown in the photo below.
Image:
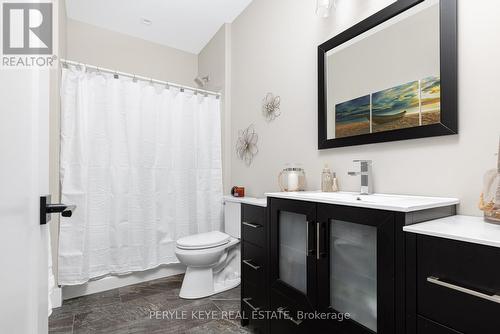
(138, 77)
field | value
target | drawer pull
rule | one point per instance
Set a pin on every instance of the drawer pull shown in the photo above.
(296, 322)
(437, 281)
(247, 301)
(251, 265)
(251, 225)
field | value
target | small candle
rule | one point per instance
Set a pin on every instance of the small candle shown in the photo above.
(293, 181)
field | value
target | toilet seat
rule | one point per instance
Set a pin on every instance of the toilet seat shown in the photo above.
(203, 240)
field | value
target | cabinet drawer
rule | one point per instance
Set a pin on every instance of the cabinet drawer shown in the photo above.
(425, 326)
(257, 322)
(253, 264)
(457, 283)
(253, 303)
(253, 224)
(254, 296)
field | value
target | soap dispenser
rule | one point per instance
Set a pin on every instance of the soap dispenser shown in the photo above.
(335, 186)
(327, 180)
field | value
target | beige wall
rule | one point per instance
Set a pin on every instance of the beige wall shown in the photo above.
(274, 50)
(214, 60)
(97, 46)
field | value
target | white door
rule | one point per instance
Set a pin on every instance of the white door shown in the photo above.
(24, 100)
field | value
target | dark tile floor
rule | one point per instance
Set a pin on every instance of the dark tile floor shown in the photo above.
(150, 307)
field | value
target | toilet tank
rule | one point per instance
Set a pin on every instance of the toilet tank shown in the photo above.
(232, 218)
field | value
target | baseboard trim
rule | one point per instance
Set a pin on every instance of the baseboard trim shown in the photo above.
(113, 282)
(56, 297)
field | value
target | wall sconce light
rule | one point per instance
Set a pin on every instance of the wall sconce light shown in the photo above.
(323, 7)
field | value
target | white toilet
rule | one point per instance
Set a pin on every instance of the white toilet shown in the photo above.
(212, 258)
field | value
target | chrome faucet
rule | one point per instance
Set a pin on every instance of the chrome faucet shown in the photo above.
(366, 176)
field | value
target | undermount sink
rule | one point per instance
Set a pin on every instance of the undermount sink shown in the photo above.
(403, 203)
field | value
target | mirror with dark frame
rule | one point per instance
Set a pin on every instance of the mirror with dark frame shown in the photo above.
(393, 76)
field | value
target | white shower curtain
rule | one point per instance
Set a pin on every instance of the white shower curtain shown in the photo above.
(143, 165)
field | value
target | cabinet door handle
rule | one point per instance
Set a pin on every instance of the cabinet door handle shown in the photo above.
(247, 301)
(251, 265)
(251, 225)
(440, 282)
(317, 240)
(310, 251)
(295, 321)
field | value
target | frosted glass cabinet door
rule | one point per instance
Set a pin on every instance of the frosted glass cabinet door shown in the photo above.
(292, 256)
(358, 274)
(292, 245)
(353, 271)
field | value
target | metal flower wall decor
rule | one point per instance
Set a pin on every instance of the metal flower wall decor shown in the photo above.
(246, 147)
(271, 107)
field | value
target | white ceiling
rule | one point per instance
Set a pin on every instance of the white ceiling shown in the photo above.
(182, 24)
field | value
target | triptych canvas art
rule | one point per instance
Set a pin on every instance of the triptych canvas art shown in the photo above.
(408, 105)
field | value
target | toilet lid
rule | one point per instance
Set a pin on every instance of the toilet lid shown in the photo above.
(203, 240)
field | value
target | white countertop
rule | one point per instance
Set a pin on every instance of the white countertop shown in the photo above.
(462, 228)
(247, 200)
(400, 203)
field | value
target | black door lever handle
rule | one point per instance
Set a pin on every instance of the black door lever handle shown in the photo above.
(46, 209)
(65, 210)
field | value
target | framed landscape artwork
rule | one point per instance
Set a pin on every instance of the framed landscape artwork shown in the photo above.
(408, 105)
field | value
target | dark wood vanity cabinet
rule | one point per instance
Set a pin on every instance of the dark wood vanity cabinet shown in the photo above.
(302, 260)
(328, 260)
(452, 286)
(254, 267)
(334, 260)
